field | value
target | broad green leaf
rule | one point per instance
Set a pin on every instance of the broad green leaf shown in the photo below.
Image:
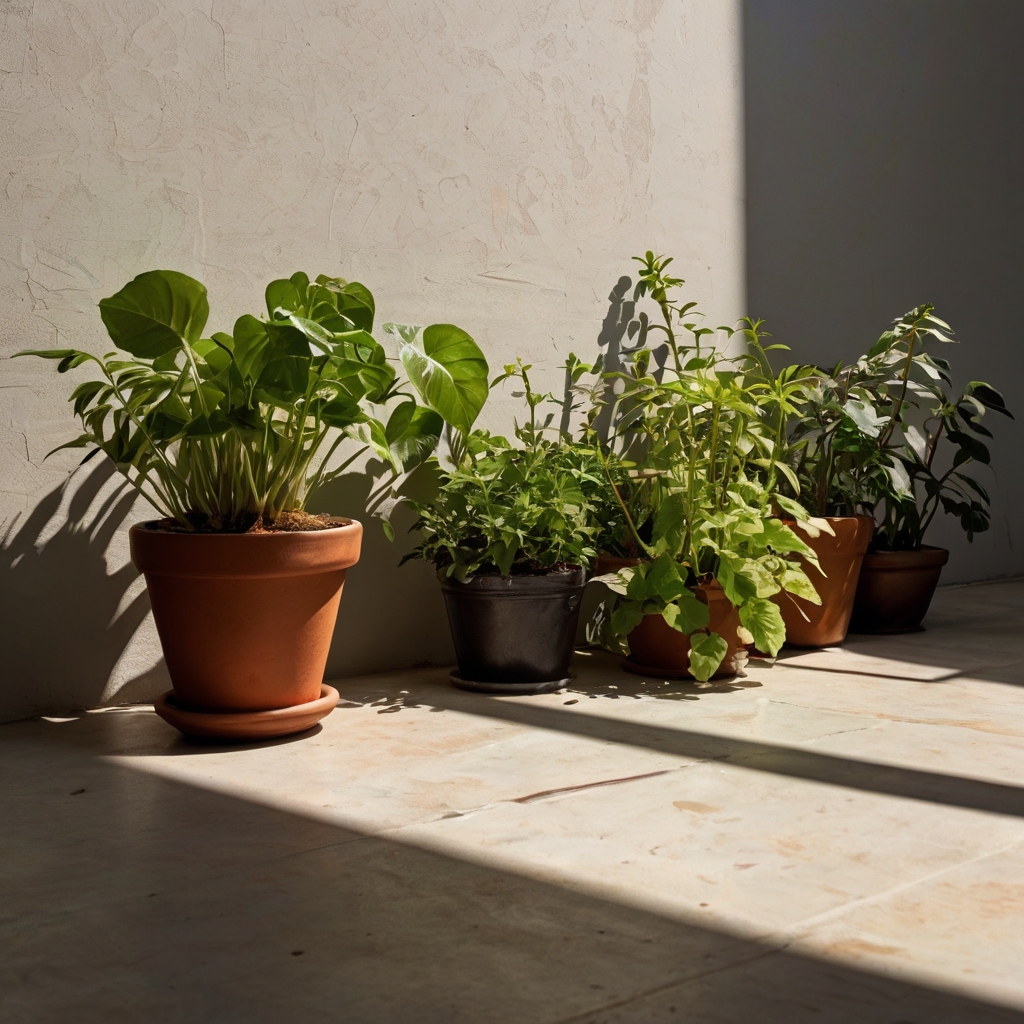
(707, 652)
(251, 348)
(687, 613)
(450, 373)
(412, 435)
(764, 621)
(867, 420)
(795, 581)
(626, 617)
(670, 523)
(284, 295)
(665, 580)
(155, 313)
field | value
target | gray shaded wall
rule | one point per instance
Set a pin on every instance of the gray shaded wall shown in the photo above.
(884, 169)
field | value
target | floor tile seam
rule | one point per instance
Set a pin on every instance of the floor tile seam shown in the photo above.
(541, 798)
(676, 983)
(884, 717)
(802, 929)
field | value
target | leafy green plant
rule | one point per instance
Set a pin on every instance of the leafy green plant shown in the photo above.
(922, 420)
(220, 432)
(695, 435)
(525, 508)
(864, 437)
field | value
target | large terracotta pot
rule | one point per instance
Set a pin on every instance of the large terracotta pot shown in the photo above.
(654, 644)
(840, 558)
(245, 621)
(895, 589)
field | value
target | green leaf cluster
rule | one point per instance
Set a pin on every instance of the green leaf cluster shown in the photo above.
(694, 441)
(219, 431)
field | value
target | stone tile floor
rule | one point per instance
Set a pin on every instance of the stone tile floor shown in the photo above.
(838, 838)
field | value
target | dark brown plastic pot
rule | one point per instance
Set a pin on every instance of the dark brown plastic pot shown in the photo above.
(514, 634)
(895, 589)
(654, 644)
(245, 620)
(840, 557)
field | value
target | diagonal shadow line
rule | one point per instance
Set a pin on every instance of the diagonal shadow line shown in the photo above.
(871, 675)
(810, 765)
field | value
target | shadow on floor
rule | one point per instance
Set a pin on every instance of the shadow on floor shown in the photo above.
(437, 694)
(129, 897)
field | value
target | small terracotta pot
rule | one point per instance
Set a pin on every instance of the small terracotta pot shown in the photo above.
(840, 558)
(654, 644)
(245, 620)
(895, 589)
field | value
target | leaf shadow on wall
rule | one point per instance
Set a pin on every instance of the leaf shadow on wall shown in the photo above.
(63, 621)
(391, 617)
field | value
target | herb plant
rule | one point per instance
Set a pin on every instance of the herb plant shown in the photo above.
(223, 431)
(525, 508)
(695, 437)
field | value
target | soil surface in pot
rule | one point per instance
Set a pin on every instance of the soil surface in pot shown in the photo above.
(296, 521)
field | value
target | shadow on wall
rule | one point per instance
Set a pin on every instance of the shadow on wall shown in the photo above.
(64, 623)
(391, 617)
(883, 161)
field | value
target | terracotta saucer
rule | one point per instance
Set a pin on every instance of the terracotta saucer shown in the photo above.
(246, 725)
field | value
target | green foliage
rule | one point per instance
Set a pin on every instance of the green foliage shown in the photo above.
(696, 438)
(219, 431)
(864, 437)
(514, 508)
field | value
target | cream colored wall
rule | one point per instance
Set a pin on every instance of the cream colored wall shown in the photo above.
(494, 164)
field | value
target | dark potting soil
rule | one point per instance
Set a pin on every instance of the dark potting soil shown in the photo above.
(288, 522)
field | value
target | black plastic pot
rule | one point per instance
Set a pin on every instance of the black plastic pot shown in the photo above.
(514, 634)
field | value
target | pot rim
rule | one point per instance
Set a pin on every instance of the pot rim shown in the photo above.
(244, 555)
(147, 527)
(926, 556)
(517, 586)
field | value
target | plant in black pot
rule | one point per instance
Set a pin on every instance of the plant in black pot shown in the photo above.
(935, 438)
(511, 532)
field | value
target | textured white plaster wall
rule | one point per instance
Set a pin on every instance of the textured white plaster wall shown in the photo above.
(494, 164)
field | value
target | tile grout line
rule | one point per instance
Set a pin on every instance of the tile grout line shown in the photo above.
(793, 933)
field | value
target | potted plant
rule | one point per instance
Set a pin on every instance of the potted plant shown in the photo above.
(226, 435)
(900, 572)
(837, 445)
(695, 473)
(511, 533)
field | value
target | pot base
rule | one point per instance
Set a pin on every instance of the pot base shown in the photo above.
(630, 664)
(508, 688)
(240, 726)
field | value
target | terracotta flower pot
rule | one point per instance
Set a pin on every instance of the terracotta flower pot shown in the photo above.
(245, 621)
(840, 558)
(895, 589)
(654, 644)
